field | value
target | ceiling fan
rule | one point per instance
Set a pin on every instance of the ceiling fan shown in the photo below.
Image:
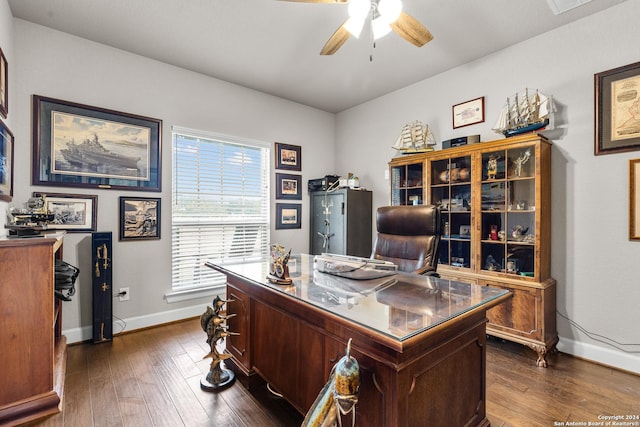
(384, 16)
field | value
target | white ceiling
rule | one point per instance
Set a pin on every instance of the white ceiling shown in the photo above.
(273, 46)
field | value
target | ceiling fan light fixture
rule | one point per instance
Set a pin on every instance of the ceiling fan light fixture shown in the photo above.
(354, 26)
(359, 9)
(380, 28)
(390, 10)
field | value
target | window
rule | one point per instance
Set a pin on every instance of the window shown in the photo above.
(220, 206)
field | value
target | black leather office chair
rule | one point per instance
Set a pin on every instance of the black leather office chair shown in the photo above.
(409, 236)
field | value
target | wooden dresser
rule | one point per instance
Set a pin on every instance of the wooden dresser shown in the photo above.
(32, 348)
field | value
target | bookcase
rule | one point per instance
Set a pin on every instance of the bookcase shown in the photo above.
(496, 221)
(33, 356)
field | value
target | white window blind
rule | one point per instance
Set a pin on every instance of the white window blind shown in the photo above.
(220, 205)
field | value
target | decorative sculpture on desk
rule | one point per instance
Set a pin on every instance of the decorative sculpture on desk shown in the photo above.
(213, 323)
(339, 396)
(278, 268)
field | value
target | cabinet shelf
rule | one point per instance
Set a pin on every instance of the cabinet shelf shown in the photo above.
(491, 190)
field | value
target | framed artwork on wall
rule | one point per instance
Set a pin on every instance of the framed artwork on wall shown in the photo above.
(6, 163)
(4, 85)
(634, 199)
(139, 218)
(288, 216)
(617, 110)
(288, 186)
(468, 113)
(76, 145)
(288, 157)
(75, 213)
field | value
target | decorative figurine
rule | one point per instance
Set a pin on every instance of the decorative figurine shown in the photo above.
(339, 396)
(278, 268)
(492, 166)
(212, 322)
(518, 232)
(521, 160)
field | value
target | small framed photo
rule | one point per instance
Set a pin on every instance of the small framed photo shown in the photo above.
(634, 199)
(465, 231)
(139, 218)
(617, 110)
(288, 186)
(4, 85)
(6, 163)
(468, 113)
(288, 216)
(75, 213)
(288, 157)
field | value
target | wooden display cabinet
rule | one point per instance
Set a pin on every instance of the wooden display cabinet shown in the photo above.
(33, 356)
(496, 222)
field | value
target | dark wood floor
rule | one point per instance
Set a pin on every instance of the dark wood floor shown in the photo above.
(152, 378)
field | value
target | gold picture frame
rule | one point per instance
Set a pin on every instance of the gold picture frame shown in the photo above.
(634, 199)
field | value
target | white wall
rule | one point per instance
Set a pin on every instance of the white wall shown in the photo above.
(6, 44)
(57, 65)
(596, 266)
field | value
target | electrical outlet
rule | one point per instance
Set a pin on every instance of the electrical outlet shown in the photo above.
(126, 295)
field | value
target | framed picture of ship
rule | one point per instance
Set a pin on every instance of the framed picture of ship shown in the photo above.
(288, 186)
(288, 157)
(617, 110)
(139, 218)
(75, 213)
(76, 145)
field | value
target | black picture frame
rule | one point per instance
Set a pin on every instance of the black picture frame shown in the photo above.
(288, 157)
(74, 213)
(140, 218)
(6, 162)
(617, 110)
(77, 145)
(4, 85)
(288, 186)
(288, 216)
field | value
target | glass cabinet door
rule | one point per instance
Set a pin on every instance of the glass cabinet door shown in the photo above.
(451, 189)
(406, 184)
(508, 211)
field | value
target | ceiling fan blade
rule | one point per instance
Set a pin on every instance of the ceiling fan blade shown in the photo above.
(336, 40)
(317, 1)
(408, 27)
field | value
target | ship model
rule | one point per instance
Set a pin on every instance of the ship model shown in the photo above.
(525, 112)
(93, 154)
(415, 137)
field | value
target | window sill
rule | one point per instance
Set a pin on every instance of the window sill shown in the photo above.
(189, 294)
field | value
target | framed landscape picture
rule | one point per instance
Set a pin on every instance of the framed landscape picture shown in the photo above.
(139, 218)
(634, 199)
(75, 213)
(288, 216)
(6, 163)
(77, 145)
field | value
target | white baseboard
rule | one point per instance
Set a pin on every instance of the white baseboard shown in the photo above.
(85, 333)
(605, 356)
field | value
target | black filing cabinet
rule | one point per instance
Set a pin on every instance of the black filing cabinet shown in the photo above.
(341, 222)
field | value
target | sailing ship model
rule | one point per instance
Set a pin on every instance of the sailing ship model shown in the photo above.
(526, 112)
(415, 138)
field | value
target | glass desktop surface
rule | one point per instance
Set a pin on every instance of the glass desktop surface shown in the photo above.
(399, 306)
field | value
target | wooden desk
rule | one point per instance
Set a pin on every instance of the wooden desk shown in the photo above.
(32, 348)
(420, 341)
